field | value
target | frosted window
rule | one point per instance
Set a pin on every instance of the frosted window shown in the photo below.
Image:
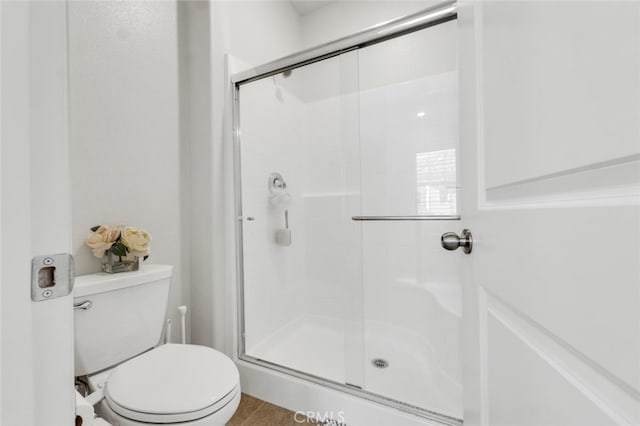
(436, 182)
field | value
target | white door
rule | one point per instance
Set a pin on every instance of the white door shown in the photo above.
(550, 95)
(36, 338)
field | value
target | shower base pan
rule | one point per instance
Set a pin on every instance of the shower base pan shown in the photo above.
(312, 348)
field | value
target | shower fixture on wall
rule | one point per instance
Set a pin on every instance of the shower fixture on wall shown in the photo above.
(278, 194)
(276, 182)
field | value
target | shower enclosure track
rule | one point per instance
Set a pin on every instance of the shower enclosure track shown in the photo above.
(439, 14)
(432, 16)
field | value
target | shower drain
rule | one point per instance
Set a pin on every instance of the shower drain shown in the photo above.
(379, 363)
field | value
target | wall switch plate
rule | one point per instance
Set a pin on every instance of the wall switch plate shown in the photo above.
(52, 276)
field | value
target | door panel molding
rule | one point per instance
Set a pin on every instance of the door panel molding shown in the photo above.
(615, 399)
(561, 98)
(615, 181)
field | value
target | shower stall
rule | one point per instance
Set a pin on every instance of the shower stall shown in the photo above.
(345, 163)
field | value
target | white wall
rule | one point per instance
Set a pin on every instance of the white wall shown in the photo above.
(256, 31)
(250, 33)
(196, 148)
(342, 18)
(125, 144)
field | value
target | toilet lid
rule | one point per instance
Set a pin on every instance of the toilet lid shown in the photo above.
(172, 383)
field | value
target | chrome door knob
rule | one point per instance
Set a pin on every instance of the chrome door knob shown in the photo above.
(451, 241)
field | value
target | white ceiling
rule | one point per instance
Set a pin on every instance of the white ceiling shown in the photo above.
(307, 6)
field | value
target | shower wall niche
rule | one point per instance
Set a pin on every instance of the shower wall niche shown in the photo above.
(362, 296)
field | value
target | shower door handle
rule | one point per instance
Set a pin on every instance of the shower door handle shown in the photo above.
(85, 305)
(451, 241)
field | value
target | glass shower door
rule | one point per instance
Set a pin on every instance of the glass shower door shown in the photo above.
(348, 179)
(301, 252)
(412, 293)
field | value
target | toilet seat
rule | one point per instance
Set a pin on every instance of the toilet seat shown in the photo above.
(172, 384)
(171, 418)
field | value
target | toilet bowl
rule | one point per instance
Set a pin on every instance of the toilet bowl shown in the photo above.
(172, 384)
(136, 381)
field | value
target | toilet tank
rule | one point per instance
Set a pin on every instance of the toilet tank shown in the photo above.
(126, 316)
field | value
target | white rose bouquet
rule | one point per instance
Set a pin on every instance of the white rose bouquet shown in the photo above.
(119, 240)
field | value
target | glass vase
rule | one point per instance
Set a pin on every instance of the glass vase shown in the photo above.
(113, 264)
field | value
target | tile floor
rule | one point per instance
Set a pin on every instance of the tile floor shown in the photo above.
(256, 412)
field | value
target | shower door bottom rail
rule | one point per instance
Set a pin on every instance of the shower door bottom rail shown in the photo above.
(355, 391)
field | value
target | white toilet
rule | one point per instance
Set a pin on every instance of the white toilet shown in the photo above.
(118, 325)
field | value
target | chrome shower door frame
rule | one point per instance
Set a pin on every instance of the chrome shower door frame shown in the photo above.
(432, 16)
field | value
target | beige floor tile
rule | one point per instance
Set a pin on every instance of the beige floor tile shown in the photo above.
(271, 415)
(256, 412)
(248, 405)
